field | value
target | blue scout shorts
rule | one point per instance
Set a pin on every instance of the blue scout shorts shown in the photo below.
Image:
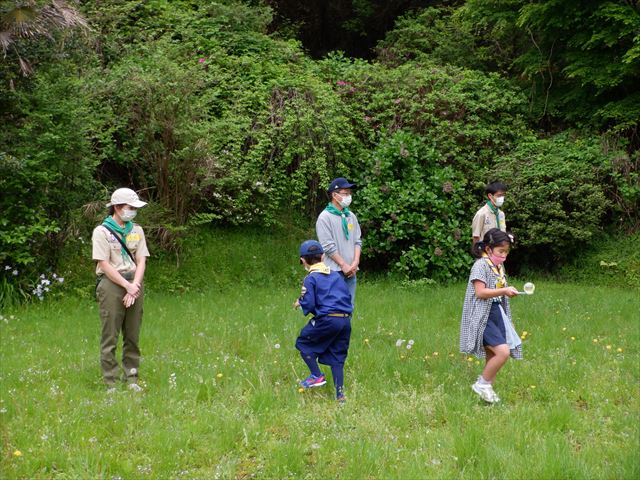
(494, 333)
(326, 338)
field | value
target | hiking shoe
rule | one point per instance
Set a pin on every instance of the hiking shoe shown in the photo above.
(341, 399)
(134, 387)
(486, 393)
(312, 381)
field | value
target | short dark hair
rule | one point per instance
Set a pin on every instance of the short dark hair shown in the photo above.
(494, 187)
(491, 239)
(312, 259)
(111, 209)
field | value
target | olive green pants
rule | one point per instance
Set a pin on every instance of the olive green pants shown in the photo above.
(116, 318)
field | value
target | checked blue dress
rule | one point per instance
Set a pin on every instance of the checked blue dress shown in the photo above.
(475, 312)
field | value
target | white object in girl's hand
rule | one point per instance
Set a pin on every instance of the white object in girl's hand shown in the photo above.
(529, 288)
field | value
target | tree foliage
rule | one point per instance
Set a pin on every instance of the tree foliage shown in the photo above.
(214, 117)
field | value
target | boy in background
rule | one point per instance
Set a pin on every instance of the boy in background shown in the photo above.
(490, 216)
(326, 337)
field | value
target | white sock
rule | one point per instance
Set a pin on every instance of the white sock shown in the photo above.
(482, 381)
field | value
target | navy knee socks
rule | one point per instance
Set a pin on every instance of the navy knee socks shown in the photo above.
(312, 364)
(338, 378)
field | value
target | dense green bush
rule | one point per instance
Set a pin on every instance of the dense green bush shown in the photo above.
(214, 119)
(412, 210)
(46, 171)
(558, 195)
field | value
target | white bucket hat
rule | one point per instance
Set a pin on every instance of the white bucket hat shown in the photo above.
(126, 196)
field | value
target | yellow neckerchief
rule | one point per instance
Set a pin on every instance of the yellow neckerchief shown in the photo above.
(319, 267)
(498, 271)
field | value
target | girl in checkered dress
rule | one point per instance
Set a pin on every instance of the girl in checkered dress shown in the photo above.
(486, 330)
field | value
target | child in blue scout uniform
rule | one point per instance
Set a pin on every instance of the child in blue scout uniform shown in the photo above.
(326, 337)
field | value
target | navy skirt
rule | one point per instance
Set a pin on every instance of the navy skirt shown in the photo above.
(494, 333)
(326, 338)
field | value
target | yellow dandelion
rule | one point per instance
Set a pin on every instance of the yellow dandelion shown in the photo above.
(564, 329)
(608, 347)
(619, 350)
(401, 356)
(532, 386)
(17, 453)
(525, 333)
(477, 362)
(595, 340)
(219, 375)
(470, 359)
(366, 340)
(300, 390)
(451, 355)
(435, 354)
(573, 338)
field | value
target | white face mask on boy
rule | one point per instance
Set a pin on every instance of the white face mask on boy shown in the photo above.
(499, 201)
(345, 201)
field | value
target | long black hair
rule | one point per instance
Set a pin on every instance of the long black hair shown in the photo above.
(491, 239)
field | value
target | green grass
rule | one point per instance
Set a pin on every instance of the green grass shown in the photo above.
(570, 408)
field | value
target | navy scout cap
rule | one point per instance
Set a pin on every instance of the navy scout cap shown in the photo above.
(339, 183)
(311, 247)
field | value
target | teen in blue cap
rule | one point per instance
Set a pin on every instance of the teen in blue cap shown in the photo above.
(339, 234)
(326, 337)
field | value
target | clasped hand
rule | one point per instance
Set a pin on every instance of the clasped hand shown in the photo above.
(133, 292)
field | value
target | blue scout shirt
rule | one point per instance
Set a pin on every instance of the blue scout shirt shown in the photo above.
(324, 291)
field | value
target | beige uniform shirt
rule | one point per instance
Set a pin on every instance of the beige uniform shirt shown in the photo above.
(485, 220)
(107, 247)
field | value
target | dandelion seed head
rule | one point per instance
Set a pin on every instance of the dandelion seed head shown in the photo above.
(276, 346)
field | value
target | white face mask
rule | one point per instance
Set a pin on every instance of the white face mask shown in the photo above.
(127, 215)
(499, 201)
(345, 202)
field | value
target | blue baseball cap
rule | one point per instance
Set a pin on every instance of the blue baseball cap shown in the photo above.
(340, 183)
(311, 247)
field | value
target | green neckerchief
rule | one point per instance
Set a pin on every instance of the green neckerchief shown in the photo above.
(123, 231)
(496, 211)
(331, 208)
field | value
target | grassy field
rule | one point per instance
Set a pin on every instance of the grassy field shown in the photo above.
(221, 401)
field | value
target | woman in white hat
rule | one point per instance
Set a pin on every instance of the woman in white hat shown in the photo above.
(121, 251)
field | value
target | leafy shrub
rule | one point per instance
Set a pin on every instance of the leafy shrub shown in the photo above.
(557, 196)
(411, 209)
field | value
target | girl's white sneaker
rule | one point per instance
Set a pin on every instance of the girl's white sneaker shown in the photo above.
(486, 393)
